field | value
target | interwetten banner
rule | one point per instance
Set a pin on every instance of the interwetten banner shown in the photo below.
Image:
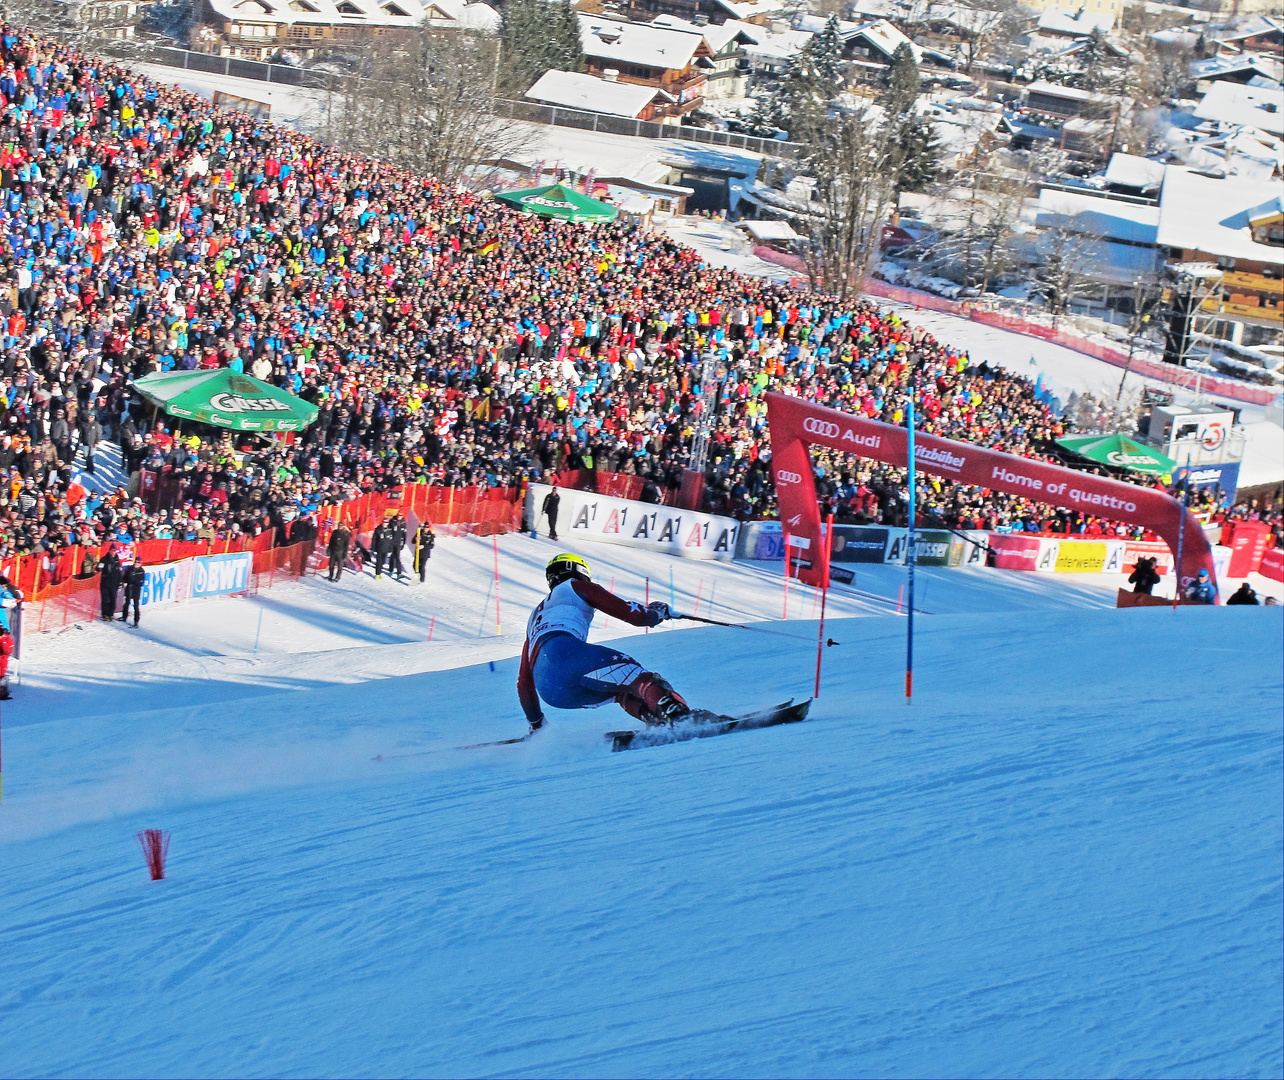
(796, 424)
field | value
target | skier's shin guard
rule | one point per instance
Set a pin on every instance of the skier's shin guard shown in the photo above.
(649, 697)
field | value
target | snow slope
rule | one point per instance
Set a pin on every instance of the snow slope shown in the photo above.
(1063, 859)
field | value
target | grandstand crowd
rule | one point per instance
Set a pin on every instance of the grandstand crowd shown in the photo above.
(444, 337)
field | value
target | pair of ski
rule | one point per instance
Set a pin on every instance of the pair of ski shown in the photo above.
(702, 724)
(698, 724)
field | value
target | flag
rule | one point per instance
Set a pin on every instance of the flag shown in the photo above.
(488, 248)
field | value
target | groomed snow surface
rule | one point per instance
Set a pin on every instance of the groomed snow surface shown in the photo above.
(1064, 859)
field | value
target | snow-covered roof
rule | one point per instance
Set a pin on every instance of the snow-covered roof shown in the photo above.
(637, 43)
(1271, 210)
(1110, 219)
(1075, 23)
(1243, 106)
(406, 13)
(1069, 93)
(817, 23)
(884, 37)
(1251, 27)
(1202, 213)
(576, 90)
(753, 9)
(1187, 39)
(782, 46)
(1129, 170)
(770, 230)
(1217, 67)
(717, 37)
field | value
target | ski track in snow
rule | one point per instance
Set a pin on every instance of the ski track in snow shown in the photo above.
(1064, 859)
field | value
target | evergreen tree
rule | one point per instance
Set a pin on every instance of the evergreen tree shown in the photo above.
(901, 83)
(804, 94)
(919, 152)
(536, 36)
(827, 51)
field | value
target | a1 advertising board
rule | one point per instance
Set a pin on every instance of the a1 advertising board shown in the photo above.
(1273, 564)
(685, 533)
(166, 583)
(969, 548)
(218, 575)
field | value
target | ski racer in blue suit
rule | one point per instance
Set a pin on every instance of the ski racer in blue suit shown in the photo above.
(562, 668)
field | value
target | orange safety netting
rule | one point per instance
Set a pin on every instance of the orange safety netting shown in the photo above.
(57, 595)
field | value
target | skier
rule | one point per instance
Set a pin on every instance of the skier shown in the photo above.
(562, 668)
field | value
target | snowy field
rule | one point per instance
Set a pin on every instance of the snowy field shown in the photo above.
(1064, 859)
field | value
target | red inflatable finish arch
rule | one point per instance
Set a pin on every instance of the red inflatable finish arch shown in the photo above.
(795, 425)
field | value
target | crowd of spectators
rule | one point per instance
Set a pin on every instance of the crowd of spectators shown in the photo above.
(443, 336)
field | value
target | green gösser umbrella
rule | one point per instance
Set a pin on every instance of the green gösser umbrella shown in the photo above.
(1119, 451)
(561, 202)
(226, 398)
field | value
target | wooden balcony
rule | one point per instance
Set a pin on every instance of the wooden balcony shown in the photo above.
(1257, 312)
(1236, 281)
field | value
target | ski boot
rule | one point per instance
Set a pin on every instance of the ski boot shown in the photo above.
(652, 700)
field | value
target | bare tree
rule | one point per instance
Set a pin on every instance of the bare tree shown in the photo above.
(975, 244)
(426, 103)
(856, 164)
(1070, 251)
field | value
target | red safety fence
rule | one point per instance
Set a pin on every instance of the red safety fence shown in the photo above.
(58, 593)
(451, 511)
(1169, 373)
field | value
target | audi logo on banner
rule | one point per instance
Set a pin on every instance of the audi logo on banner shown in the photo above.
(783, 477)
(825, 428)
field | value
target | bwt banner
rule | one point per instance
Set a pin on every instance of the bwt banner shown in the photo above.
(796, 425)
(685, 533)
(166, 583)
(218, 575)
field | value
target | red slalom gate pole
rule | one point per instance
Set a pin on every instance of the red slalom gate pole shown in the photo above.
(699, 590)
(431, 627)
(648, 601)
(824, 596)
(495, 544)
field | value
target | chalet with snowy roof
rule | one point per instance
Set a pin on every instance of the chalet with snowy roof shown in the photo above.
(258, 29)
(643, 54)
(1237, 224)
(729, 74)
(588, 93)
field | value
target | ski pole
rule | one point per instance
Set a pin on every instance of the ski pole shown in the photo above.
(746, 626)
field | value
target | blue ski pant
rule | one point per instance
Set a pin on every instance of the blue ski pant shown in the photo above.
(572, 674)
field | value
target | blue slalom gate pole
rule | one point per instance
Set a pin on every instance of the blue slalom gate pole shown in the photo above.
(1181, 535)
(909, 562)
